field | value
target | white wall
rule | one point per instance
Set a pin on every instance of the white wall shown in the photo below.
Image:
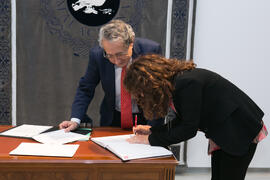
(232, 37)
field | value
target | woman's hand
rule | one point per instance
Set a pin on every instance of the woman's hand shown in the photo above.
(142, 130)
(138, 139)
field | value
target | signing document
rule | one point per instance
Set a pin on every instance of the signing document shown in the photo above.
(36, 149)
(52, 142)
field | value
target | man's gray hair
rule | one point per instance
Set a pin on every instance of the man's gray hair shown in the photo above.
(115, 30)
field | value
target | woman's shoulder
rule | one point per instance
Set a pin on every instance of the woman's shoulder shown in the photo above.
(186, 78)
(191, 74)
(197, 73)
(197, 77)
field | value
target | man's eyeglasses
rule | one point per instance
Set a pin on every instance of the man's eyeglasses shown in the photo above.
(119, 55)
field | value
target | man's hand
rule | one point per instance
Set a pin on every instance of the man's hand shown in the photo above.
(142, 130)
(68, 125)
(138, 139)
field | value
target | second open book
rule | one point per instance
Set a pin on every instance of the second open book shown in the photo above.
(53, 142)
(126, 151)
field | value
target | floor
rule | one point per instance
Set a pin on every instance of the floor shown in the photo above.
(183, 173)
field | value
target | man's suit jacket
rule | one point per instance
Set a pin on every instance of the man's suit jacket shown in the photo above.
(207, 102)
(102, 70)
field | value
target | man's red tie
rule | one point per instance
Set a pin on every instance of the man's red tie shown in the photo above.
(126, 108)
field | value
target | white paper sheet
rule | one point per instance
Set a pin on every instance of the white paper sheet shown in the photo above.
(58, 137)
(26, 130)
(36, 149)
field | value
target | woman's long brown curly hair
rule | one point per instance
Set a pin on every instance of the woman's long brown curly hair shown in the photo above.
(150, 79)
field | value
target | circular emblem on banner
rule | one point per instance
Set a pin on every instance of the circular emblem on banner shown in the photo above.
(93, 12)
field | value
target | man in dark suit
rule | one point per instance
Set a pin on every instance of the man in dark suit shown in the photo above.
(117, 48)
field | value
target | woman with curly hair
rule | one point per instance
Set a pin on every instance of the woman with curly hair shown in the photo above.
(203, 101)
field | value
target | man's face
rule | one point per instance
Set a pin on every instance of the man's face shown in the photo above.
(117, 53)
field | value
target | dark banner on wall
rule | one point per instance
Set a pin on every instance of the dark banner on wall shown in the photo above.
(179, 29)
(52, 53)
(5, 62)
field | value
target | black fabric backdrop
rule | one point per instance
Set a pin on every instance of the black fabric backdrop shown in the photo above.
(52, 53)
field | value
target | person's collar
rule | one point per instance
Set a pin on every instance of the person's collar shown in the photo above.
(135, 50)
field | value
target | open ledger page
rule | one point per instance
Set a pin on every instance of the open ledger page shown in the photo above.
(58, 137)
(126, 151)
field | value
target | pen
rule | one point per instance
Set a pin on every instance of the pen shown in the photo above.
(135, 123)
(136, 120)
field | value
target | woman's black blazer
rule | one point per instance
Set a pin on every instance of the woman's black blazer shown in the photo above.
(207, 102)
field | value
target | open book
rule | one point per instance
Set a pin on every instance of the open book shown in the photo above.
(25, 131)
(126, 151)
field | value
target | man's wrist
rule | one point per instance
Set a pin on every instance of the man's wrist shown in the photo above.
(78, 121)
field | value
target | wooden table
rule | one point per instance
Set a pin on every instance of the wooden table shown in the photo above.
(89, 162)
